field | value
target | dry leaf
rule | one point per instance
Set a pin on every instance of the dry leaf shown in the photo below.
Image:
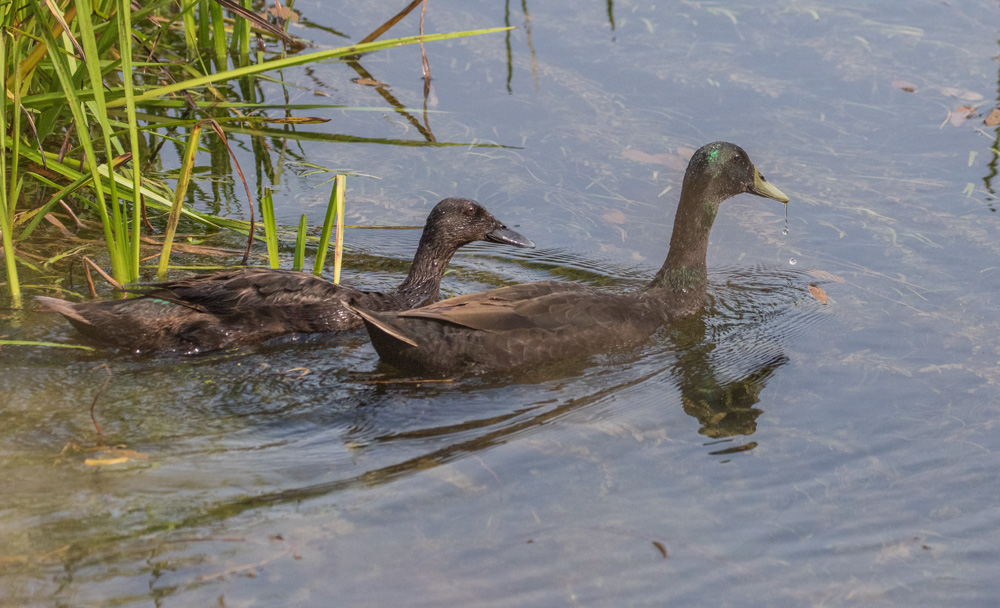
(614, 216)
(55, 222)
(131, 454)
(959, 114)
(638, 156)
(904, 85)
(961, 93)
(993, 118)
(283, 12)
(369, 82)
(678, 163)
(661, 548)
(670, 160)
(824, 275)
(818, 293)
(94, 462)
(298, 120)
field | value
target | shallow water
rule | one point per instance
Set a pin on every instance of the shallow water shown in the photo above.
(774, 451)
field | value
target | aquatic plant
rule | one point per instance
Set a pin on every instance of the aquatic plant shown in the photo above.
(94, 89)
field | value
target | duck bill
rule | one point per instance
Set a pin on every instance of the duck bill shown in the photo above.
(762, 187)
(506, 236)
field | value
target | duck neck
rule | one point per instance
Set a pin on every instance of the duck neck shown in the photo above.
(424, 280)
(685, 269)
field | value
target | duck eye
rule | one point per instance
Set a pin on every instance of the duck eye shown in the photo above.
(470, 210)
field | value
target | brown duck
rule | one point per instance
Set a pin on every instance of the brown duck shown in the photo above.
(538, 323)
(219, 310)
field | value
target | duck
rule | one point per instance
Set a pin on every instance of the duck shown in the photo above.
(229, 308)
(538, 324)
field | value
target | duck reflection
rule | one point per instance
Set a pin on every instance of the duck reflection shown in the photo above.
(723, 407)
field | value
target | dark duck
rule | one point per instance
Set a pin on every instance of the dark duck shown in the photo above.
(224, 309)
(535, 324)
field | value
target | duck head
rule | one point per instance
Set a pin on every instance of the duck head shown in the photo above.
(721, 170)
(460, 221)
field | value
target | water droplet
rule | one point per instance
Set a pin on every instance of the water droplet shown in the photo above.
(791, 261)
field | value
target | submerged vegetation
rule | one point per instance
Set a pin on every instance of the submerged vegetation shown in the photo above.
(95, 89)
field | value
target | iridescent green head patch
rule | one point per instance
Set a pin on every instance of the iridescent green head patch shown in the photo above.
(713, 156)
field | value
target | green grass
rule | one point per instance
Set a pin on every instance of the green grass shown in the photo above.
(94, 89)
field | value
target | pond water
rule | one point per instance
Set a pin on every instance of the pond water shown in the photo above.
(773, 451)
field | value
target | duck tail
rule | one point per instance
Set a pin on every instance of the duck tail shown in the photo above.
(66, 309)
(375, 323)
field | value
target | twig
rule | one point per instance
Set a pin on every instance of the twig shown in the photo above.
(239, 569)
(218, 130)
(90, 280)
(423, 54)
(76, 219)
(391, 22)
(106, 276)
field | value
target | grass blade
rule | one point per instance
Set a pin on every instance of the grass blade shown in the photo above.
(338, 248)
(175, 211)
(270, 229)
(286, 62)
(300, 244)
(324, 237)
(7, 203)
(51, 344)
(125, 45)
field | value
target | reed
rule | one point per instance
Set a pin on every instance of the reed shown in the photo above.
(187, 165)
(334, 210)
(93, 88)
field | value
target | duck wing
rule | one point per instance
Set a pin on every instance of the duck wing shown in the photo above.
(545, 305)
(233, 293)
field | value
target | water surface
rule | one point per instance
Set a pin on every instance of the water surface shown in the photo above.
(774, 451)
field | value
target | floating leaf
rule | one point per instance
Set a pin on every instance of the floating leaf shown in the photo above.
(283, 12)
(614, 216)
(670, 160)
(960, 114)
(818, 293)
(115, 455)
(993, 118)
(824, 275)
(685, 153)
(661, 548)
(638, 156)
(904, 85)
(369, 82)
(961, 93)
(96, 462)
